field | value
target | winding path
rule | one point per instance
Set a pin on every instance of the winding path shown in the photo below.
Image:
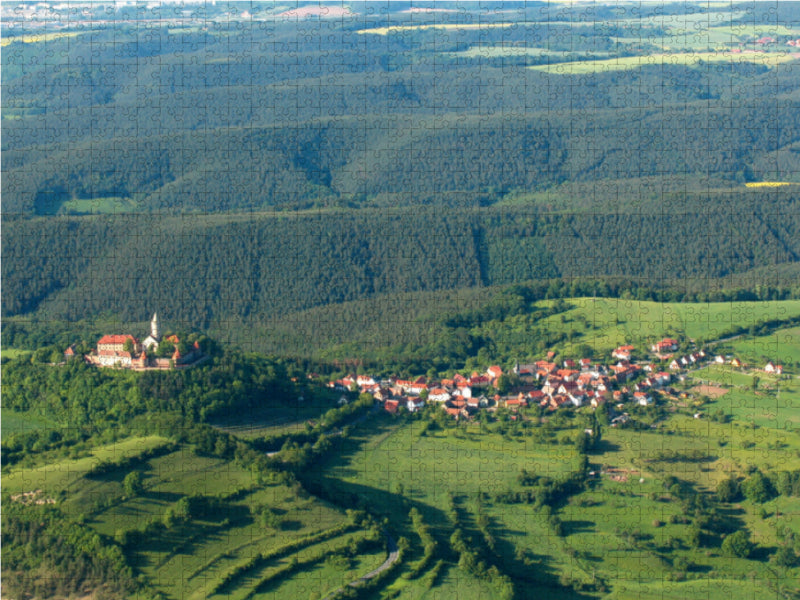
(390, 560)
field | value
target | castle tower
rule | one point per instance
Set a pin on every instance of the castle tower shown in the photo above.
(152, 340)
(154, 332)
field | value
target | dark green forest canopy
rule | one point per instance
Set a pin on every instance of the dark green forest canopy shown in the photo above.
(294, 114)
(249, 168)
(201, 269)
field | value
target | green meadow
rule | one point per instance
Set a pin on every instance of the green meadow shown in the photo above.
(627, 534)
(780, 347)
(624, 63)
(188, 558)
(92, 206)
(605, 323)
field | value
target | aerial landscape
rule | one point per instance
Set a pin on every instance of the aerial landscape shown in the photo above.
(410, 300)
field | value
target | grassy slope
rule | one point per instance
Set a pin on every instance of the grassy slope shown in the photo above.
(595, 521)
(370, 327)
(188, 560)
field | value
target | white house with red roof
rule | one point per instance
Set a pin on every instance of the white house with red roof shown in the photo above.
(623, 352)
(494, 372)
(773, 368)
(665, 345)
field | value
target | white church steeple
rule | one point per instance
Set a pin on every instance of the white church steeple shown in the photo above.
(152, 340)
(154, 332)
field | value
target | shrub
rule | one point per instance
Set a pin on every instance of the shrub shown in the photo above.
(729, 490)
(758, 488)
(132, 484)
(784, 557)
(737, 544)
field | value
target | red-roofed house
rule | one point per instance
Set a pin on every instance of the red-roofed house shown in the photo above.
(665, 345)
(438, 395)
(479, 380)
(623, 352)
(116, 343)
(772, 368)
(567, 374)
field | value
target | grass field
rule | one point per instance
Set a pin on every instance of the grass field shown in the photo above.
(67, 475)
(605, 323)
(625, 63)
(188, 559)
(774, 404)
(431, 466)
(626, 529)
(781, 347)
(13, 353)
(98, 206)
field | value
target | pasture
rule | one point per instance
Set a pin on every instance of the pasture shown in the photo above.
(98, 206)
(627, 531)
(188, 557)
(624, 63)
(605, 323)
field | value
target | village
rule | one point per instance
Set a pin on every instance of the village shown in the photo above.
(550, 384)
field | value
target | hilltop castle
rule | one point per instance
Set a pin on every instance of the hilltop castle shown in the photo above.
(127, 352)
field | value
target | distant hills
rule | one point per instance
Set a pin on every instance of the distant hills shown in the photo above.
(242, 165)
(389, 108)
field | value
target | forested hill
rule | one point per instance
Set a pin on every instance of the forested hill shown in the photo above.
(197, 269)
(218, 163)
(454, 109)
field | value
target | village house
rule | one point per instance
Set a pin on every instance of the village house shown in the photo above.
(623, 352)
(494, 372)
(774, 369)
(415, 404)
(665, 345)
(438, 395)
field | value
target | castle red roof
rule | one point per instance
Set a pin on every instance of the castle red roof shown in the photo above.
(116, 339)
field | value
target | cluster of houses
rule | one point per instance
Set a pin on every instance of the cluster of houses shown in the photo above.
(547, 383)
(126, 352)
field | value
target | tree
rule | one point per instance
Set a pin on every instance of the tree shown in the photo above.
(737, 544)
(132, 484)
(729, 490)
(128, 345)
(784, 557)
(503, 384)
(758, 488)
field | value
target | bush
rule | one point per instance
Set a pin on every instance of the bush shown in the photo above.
(784, 557)
(132, 484)
(729, 490)
(737, 544)
(758, 488)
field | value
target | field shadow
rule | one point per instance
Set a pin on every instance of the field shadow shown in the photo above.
(161, 496)
(762, 553)
(291, 525)
(577, 526)
(602, 447)
(535, 575)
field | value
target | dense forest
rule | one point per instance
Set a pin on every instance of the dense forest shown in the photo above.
(196, 271)
(319, 113)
